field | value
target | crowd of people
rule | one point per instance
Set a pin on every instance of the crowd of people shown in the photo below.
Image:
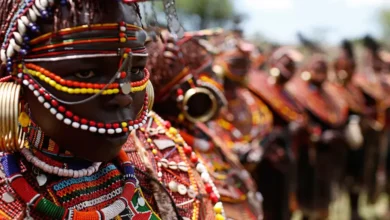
(105, 117)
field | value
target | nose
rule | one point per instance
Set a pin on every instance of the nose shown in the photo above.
(119, 101)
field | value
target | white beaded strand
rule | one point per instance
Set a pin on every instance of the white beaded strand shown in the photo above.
(59, 171)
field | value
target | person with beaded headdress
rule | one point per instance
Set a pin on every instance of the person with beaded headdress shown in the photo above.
(368, 80)
(276, 172)
(246, 120)
(189, 95)
(342, 86)
(75, 100)
(321, 163)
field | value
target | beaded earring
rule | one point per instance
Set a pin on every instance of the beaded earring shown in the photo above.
(12, 120)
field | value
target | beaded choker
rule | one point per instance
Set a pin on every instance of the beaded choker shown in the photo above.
(37, 202)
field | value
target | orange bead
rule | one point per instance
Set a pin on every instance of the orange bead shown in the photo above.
(57, 78)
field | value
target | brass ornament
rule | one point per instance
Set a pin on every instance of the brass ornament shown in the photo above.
(207, 115)
(11, 133)
(150, 92)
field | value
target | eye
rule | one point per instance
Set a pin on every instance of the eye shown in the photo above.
(135, 71)
(137, 74)
(85, 75)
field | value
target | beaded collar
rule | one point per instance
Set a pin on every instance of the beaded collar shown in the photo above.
(224, 168)
(176, 163)
(127, 203)
(275, 97)
(350, 94)
(319, 102)
(258, 117)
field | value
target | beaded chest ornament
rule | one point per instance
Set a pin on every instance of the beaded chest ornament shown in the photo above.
(39, 203)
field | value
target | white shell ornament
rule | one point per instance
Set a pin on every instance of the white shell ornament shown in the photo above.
(41, 179)
(21, 27)
(32, 15)
(164, 144)
(25, 20)
(125, 88)
(7, 197)
(18, 37)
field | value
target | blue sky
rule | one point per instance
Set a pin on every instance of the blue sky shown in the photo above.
(280, 20)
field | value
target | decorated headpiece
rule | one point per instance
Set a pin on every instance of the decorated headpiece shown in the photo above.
(178, 81)
(234, 51)
(23, 48)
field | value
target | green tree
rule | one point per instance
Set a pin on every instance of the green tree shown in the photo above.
(209, 13)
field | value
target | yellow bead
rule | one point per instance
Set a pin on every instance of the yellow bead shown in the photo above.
(124, 124)
(149, 140)
(37, 74)
(42, 77)
(115, 91)
(219, 217)
(154, 151)
(70, 90)
(218, 209)
(24, 120)
(125, 55)
(96, 90)
(123, 40)
(47, 79)
(52, 83)
(110, 92)
(181, 117)
(77, 91)
(172, 130)
(58, 87)
(104, 92)
(90, 90)
(83, 91)
(20, 66)
(65, 89)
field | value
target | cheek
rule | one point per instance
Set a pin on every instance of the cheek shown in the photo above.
(40, 115)
(139, 101)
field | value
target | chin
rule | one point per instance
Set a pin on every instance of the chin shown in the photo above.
(102, 148)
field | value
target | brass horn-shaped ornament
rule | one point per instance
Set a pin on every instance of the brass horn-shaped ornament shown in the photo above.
(199, 105)
(150, 92)
(11, 133)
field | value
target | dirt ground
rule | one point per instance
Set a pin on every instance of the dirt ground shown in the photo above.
(339, 210)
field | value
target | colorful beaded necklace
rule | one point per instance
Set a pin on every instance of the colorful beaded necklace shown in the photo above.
(37, 202)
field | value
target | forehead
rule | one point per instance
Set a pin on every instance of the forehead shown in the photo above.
(103, 11)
